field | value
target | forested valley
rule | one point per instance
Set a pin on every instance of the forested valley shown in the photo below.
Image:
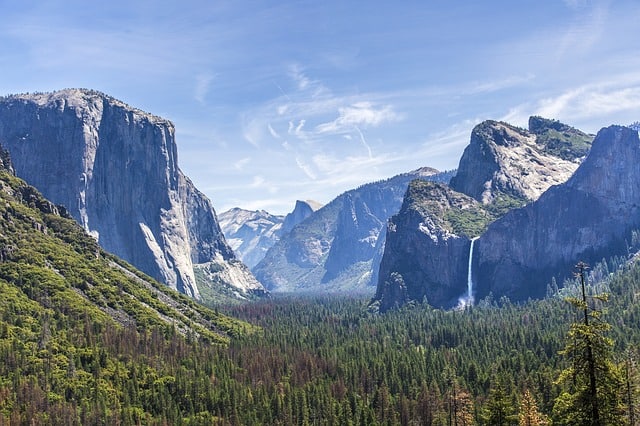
(319, 361)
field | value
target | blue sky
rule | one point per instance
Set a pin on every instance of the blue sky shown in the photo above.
(278, 101)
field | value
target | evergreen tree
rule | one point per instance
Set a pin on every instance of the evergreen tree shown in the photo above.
(529, 414)
(498, 410)
(592, 382)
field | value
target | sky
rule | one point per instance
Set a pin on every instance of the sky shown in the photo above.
(275, 101)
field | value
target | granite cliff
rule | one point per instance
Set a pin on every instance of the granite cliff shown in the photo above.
(338, 247)
(588, 218)
(503, 168)
(115, 169)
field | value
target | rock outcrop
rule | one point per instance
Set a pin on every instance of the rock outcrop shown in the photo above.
(115, 169)
(301, 211)
(586, 219)
(420, 245)
(335, 248)
(502, 169)
(505, 160)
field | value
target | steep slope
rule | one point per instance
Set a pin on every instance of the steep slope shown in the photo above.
(301, 211)
(48, 258)
(84, 337)
(335, 248)
(503, 168)
(252, 233)
(589, 217)
(115, 169)
(421, 239)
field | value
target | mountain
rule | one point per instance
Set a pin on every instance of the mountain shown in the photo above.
(86, 338)
(503, 168)
(47, 261)
(590, 217)
(505, 160)
(339, 246)
(252, 233)
(115, 170)
(301, 211)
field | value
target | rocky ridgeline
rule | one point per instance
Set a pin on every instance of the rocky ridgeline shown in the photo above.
(339, 247)
(588, 218)
(115, 169)
(503, 168)
(252, 233)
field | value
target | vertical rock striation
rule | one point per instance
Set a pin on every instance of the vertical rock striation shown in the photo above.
(115, 169)
(587, 218)
(503, 168)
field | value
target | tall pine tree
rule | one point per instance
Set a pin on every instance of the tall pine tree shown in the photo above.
(591, 382)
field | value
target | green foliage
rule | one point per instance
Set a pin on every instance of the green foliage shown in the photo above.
(469, 222)
(567, 144)
(592, 382)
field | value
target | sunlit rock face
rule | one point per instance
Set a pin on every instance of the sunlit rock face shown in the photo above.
(115, 169)
(427, 250)
(504, 159)
(586, 219)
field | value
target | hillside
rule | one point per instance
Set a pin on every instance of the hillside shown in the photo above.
(82, 333)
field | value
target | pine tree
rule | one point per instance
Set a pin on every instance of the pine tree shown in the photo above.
(529, 414)
(498, 410)
(592, 382)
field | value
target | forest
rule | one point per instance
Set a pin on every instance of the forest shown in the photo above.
(325, 361)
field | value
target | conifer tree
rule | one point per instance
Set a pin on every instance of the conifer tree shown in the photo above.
(592, 382)
(529, 414)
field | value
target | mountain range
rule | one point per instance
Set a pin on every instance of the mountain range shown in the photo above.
(252, 233)
(339, 246)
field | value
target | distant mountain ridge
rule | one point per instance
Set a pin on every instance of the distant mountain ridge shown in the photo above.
(115, 169)
(252, 233)
(339, 246)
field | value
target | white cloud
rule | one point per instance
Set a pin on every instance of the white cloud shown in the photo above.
(305, 168)
(273, 132)
(258, 181)
(203, 83)
(358, 114)
(593, 101)
(240, 164)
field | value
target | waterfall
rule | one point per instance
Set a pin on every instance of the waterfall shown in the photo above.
(469, 300)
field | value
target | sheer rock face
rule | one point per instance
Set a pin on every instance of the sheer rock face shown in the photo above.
(427, 249)
(503, 159)
(115, 169)
(338, 247)
(421, 253)
(587, 218)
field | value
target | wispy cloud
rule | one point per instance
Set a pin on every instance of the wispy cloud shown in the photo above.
(240, 164)
(359, 114)
(203, 83)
